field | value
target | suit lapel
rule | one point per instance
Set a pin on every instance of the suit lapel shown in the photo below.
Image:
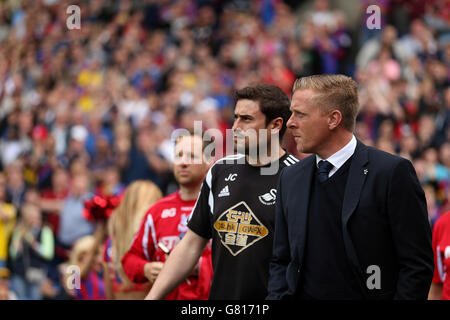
(356, 178)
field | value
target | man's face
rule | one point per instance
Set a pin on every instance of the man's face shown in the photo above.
(80, 185)
(248, 120)
(33, 217)
(60, 179)
(308, 124)
(190, 166)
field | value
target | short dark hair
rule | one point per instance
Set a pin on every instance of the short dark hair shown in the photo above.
(273, 102)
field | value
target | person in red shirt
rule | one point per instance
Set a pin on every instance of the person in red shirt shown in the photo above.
(166, 223)
(52, 199)
(440, 286)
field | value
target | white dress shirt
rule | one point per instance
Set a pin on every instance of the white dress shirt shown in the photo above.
(339, 158)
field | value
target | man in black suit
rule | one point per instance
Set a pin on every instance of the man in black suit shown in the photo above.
(351, 220)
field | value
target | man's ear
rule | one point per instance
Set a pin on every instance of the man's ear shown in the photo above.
(276, 124)
(334, 119)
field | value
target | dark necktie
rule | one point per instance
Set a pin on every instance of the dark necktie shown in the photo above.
(324, 169)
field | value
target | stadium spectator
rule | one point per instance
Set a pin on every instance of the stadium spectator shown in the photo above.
(86, 257)
(51, 199)
(31, 249)
(15, 184)
(73, 225)
(122, 227)
(8, 214)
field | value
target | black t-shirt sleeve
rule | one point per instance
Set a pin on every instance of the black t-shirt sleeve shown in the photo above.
(200, 219)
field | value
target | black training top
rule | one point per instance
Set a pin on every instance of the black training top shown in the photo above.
(236, 208)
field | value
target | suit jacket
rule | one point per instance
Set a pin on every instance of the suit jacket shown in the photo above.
(384, 223)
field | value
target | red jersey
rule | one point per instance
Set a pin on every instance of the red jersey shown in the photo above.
(441, 248)
(166, 222)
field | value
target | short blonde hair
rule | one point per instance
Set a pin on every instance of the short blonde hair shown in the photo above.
(333, 91)
(81, 246)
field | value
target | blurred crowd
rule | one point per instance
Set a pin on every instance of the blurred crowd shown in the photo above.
(87, 111)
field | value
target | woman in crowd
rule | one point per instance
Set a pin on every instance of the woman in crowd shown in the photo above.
(122, 226)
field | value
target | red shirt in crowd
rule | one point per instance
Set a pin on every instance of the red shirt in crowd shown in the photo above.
(52, 216)
(441, 248)
(166, 222)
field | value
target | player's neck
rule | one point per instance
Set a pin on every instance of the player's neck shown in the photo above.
(189, 193)
(262, 160)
